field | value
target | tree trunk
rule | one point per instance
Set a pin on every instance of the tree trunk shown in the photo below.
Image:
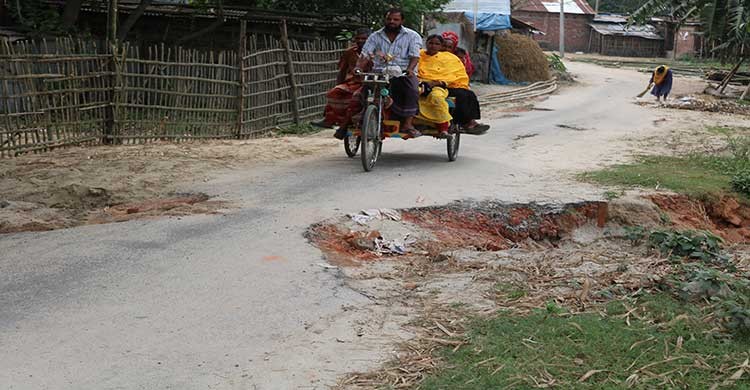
(70, 13)
(18, 10)
(731, 74)
(132, 19)
(213, 26)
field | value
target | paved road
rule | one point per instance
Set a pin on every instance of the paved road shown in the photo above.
(238, 301)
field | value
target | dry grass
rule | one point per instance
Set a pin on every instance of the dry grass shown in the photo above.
(521, 58)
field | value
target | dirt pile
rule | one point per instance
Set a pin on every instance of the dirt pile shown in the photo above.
(83, 185)
(521, 58)
(709, 104)
(725, 217)
(483, 226)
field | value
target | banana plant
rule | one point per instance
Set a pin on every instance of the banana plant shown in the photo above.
(725, 22)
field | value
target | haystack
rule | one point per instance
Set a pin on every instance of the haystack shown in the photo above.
(521, 58)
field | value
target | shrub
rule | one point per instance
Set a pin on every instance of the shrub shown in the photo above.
(741, 182)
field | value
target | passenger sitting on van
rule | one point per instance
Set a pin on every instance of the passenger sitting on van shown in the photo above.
(442, 70)
(450, 44)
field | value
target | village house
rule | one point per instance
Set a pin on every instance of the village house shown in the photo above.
(612, 36)
(545, 17)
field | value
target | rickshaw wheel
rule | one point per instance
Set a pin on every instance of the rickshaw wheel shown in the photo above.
(453, 141)
(351, 145)
(371, 142)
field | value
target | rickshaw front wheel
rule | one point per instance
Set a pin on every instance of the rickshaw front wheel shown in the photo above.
(371, 141)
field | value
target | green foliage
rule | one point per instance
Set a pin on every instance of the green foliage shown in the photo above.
(698, 245)
(727, 294)
(36, 16)
(739, 147)
(725, 22)
(510, 290)
(696, 175)
(556, 63)
(370, 13)
(618, 6)
(301, 129)
(523, 352)
(635, 234)
(741, 182)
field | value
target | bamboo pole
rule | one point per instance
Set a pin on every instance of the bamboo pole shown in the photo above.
(731, 74)
(112, 22)
(241, 52)
(290, 68)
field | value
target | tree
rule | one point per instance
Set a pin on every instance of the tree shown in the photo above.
(369, 12)
(618, 6)
(70, 13)
(122, 33)
(725, 22)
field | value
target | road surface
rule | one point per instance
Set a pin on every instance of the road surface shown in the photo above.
(241, 300)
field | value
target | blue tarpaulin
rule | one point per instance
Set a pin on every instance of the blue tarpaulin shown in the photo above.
(490, 21)
(496, 73)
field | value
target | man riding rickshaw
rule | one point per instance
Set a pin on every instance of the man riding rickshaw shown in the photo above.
(408, 92)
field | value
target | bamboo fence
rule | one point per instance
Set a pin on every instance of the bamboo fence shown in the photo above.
(70, 92)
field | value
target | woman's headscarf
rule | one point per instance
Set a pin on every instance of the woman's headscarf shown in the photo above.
(453, 37)
(660, 73)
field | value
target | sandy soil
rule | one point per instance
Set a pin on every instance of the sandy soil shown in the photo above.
(79, 185)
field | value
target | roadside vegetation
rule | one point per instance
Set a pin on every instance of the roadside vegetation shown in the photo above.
(697, 175)
(689, 327)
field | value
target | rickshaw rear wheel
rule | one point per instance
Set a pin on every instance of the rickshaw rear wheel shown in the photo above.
(351, 145)
(453, 141)
(371, 141)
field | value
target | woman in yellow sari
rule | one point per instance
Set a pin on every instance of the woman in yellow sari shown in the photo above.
(445, 75)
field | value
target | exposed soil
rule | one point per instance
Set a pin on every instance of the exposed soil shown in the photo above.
(727, 217)
(475, 258)
(101, 184)
(483, 226)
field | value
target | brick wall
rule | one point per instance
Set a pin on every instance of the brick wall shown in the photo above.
(577, 29)
(687, 41)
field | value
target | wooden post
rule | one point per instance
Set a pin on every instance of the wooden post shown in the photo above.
(112, 21)
(725, 82)
(562, 29)
(241, 53)
(290, 69)
(115, 64)
(744, 94)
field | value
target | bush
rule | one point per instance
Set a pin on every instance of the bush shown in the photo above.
(741, 182)
(702, 246)
(555, 62)
(740, 148)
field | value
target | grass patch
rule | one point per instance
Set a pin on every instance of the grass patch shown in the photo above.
(510, 291)
(722, 130)
(300, 129)
(696, 175)
(666, 345)
(691, 175)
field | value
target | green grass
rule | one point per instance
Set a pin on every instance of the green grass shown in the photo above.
(510, 290)
(300, 129)
(692, 175)
(521, 352)
(722, 130)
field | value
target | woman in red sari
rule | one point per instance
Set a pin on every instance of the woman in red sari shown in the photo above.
(338, 99)
(451, 45)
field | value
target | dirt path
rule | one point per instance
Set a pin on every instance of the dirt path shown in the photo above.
(241, 299)
(74, 186)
